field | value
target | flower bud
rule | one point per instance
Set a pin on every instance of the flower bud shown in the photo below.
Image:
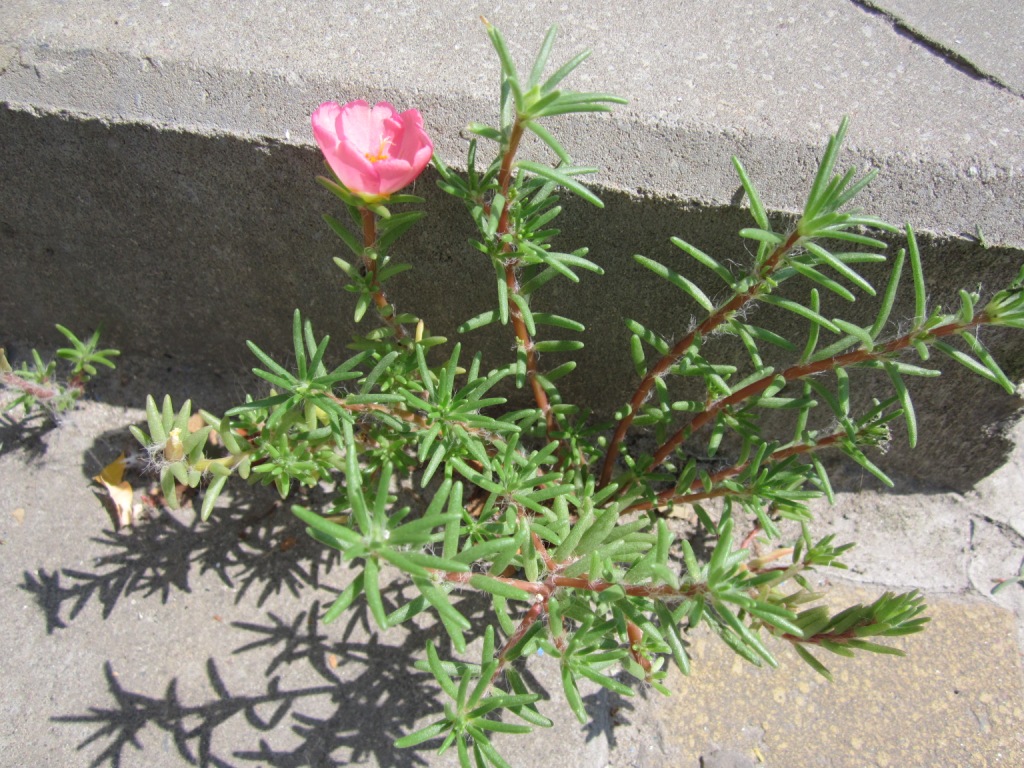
(173, 448)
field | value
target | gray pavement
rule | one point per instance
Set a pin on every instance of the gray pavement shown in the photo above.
(155, 175)
(179, 643)
(985, 39)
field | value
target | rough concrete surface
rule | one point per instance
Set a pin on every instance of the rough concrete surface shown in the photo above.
(156, 176)
(700, 77)
(179, 643)
(157, 172)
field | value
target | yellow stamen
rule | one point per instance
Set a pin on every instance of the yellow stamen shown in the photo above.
(382, 151)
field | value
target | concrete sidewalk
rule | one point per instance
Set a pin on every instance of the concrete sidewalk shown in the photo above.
(179, 644)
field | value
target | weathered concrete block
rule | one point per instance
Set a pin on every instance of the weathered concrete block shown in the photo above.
(158, 173)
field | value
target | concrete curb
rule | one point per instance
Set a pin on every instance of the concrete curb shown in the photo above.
(949, 128)
(157, 173)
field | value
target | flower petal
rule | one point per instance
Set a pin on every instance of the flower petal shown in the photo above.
(355, 171)
(414, 146)
(325, 120)
(353, 136)
(393, 174)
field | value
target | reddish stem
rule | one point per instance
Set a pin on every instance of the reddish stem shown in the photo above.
(384, 307)
(749, 538)
(636, 638)
(505, 174)
(715, 319)
(538, 545)
(554, 581)
(544, 589)
(693, 494)
(802, 371)
(512, 282)
(536, 611)
(37, 391)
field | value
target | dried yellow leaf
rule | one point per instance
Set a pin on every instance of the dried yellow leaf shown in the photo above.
(119, 490)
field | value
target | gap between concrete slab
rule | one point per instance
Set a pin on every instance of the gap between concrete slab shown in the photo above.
(951, 56)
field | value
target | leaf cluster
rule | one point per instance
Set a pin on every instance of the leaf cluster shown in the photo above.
(36, 386)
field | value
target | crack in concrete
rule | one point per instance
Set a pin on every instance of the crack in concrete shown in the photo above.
(952, 57)
(1007, 530)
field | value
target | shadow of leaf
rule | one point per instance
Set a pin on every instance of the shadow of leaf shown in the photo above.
(367, 699)
(256, 544)
(607, 711)
(191, 727)
(26, 435)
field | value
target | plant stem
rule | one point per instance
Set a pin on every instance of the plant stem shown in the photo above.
(716, 318)
(693, 494)
(544, 588)
(505, 174)
(802, 371)
(536, 611)
(540, 397)
(636, 637)
(384, 307)
(32, 388)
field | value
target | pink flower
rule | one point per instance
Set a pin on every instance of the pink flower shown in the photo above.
(374, 150)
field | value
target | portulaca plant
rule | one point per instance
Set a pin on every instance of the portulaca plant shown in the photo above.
(38, 389)
(551, 512)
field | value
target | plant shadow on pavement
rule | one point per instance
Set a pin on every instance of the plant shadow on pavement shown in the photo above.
(26, 436)
(353, 698)
(322, 700)
(255, 545)
(342, 697)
